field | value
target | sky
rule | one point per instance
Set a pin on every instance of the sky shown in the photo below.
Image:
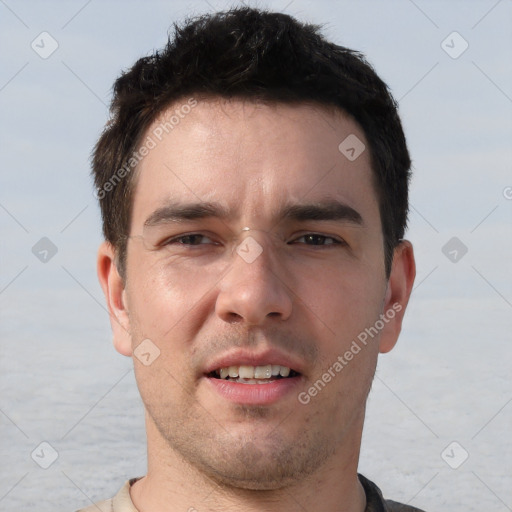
(447, 381)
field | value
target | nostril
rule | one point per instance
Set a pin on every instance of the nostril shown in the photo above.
(234, 317)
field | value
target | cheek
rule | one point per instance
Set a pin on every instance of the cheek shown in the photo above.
(345, 299)
(165, 296)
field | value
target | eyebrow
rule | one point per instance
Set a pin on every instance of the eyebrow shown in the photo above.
(318, 211)
(328, 210)
(188, 211)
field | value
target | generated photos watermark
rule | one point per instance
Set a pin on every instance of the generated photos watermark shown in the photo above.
(150, 142)
(343, 360)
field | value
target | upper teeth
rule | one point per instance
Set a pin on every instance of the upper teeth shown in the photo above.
(254, 372)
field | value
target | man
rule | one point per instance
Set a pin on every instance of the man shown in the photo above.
(253, 183)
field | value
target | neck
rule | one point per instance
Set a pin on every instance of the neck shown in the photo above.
(173, 484)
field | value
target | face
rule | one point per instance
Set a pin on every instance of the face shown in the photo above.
(255, 263)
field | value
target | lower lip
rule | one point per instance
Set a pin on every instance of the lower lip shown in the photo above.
(254, 394)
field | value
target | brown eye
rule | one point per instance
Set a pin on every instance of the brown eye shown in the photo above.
(192, 239)
(314, 239)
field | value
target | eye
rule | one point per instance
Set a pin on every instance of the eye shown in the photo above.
(191, 239)
(315, 239)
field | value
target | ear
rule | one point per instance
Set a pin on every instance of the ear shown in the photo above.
(401, 279)
(114, 289)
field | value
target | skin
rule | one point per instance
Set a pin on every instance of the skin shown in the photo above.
(310, 297)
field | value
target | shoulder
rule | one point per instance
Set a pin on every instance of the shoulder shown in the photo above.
(121, 502)
(375, 502)
(102, 506)
(394, 506)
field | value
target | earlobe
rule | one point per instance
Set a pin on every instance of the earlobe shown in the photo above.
(115, 294)
(397, 295)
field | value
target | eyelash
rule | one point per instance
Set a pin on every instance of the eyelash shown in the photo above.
(335, 241)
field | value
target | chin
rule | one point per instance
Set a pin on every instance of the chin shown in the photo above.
(263, 477)
(250, 467)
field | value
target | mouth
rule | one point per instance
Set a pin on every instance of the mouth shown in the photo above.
(254, 378)
(246, 374)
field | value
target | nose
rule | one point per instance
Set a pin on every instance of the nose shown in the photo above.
(253, 290)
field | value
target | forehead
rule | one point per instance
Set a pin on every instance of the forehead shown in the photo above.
(253, 158)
